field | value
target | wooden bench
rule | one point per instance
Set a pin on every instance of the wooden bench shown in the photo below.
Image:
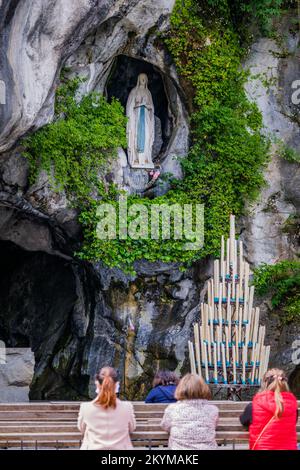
(54, 425)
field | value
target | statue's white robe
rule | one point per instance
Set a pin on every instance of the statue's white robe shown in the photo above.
(139, 96)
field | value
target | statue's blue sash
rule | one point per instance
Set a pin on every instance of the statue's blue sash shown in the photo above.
(141, 132)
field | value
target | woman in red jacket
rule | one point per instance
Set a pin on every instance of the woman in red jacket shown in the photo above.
(272, 415)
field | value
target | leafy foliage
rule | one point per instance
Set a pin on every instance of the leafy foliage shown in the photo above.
(223, 169)
(282, 281)
(288, 153)
(123, 253)
(243, 13)
(77, 145)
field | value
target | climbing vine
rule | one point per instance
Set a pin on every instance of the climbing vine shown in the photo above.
(282, 281)
(223, 169)
(75, 148)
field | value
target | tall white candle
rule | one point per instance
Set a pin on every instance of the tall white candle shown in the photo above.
(216, 277)
(234, 364)
(219, 348)
(206, 363)
(233, 289)
(236, 256)
(227, 343)
(253, 360)
(215, 364)
(192, 358)
(267, 358)
(202, 339)
(222, 258)
(254, 351)
(261, 363)
(246, 267)
(228, 298)
(259, 343)
(244, 363)
(224, 363)
(241, 264)
(227, 255)
(256, 325)
(236, 311)
(262, 336)
(220, 304)
(232, 238)
(211, 323)
(205, 322)
(247, 334)
(209, 292)
(240, 325)
(209, 340)
(250, 302)
(236, 343)
(197, 347)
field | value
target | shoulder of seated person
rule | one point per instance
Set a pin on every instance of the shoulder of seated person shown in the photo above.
(125, 403)
(84, 404)
(171, 406)
(212, 407)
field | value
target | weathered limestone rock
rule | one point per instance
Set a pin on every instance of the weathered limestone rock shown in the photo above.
(16, 374)
(273, 72)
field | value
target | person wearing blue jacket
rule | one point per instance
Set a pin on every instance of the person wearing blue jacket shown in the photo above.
(164, 386)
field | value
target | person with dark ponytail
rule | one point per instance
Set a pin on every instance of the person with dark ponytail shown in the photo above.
(272, 416)
(106, 422)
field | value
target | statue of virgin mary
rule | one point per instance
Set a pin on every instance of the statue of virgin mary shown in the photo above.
(140, 125)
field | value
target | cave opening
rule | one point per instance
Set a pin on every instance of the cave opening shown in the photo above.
(36, 291)
(123, 77)
(37, 298)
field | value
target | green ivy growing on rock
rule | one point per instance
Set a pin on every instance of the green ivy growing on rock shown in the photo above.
(223, 169)
(75, 148)
(282, 281)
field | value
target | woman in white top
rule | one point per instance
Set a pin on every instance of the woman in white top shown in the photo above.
(192, 421)
(106, 422)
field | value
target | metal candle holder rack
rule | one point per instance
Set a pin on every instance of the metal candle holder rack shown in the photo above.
(228, 346)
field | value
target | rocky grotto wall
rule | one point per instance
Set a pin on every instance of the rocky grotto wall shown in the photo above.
(77, 316)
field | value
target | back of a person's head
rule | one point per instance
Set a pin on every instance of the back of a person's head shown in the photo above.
(165, 377)
(276, 381)
(192, 387)
(173, 378)
(107, 379)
